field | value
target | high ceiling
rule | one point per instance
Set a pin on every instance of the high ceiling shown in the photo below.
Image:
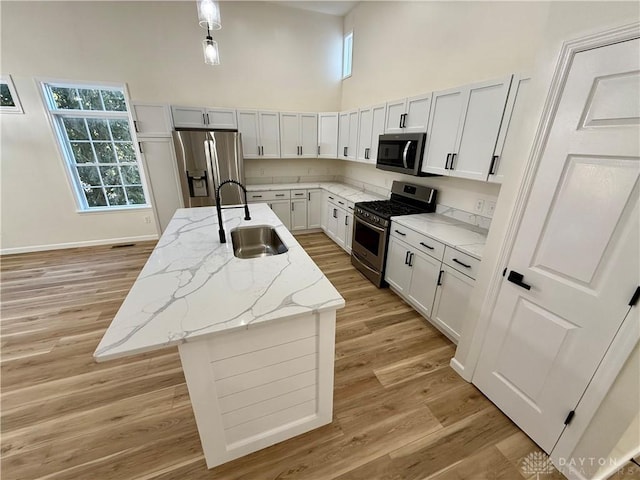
(332, 8)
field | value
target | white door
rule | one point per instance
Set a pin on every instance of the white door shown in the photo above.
(424, 280)
(189, 117)
(298, 214)
(365, 129)
(352, 145)
(377, 129)
(343, 135)
(328, 135)
(248, 128)
(417, 114)
(309, 135)
(151, 120)
(289, 135)
(446, 113)
(269, 134)
(163, 176)
(282, 208)
(395, 112)
(576, 247)
(397, 269)
(450, 304)
(479, 133)
(221, 118)
(314, 208)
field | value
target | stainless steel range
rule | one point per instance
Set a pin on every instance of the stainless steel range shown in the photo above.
(372, 221)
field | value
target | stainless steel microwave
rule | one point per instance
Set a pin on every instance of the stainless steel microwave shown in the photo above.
(401, 153)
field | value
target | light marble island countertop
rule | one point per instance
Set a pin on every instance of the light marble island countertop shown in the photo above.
(462, 236)
(192, 286)
(348, 192)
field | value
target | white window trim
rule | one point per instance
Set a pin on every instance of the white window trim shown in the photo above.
(14, 96)
(69, 172)
(344, 39)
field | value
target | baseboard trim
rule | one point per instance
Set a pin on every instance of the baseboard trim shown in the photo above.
(458, 368)
(88, 243)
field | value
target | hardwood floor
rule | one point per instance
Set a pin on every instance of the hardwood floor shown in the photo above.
(400, 412)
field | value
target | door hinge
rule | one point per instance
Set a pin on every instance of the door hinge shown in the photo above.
(635, 297)
(567, 420)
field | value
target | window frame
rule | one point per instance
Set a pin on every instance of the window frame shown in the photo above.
(17, 108)
(54, 117)
(348, 35)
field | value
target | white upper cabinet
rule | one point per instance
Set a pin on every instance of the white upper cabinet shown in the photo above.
(201, 117)
(298, 135)
(151, 120)
(260, 133)
(463, 129)
(328, 135)
(408, 115)
(348, 135)
(371, 122)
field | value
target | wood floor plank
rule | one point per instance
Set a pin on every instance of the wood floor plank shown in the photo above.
(399, 410)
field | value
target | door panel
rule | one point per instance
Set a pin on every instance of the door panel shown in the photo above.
(289, 135)
(269, 134)
(328, 135)
(352, 146)
(577, 247)
(221, 118)
(450, 304)
(364, 132)
(309, 135)
(397, 272)
(377, 129)
(417, 114)
(395, 110)
(248, 127)
(424, 281)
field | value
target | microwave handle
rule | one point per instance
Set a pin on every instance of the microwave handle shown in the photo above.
(404, 154)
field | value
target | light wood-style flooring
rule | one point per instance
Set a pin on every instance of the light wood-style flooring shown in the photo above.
(400, 411)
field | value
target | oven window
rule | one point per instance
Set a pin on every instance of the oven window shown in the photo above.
(367, 237)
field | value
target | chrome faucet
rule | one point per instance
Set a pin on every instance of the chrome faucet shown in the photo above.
(219, 208)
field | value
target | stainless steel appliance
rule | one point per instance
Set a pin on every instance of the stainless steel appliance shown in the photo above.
(401, 153)
(206, 158)
(373, 219)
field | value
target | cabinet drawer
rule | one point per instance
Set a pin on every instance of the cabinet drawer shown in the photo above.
(461, 262)
(265, 196)
(298, 194)
(337, 200)
(418, 241)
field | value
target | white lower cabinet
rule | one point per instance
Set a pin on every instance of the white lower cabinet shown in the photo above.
(298, 209)
(451, 302)
(339, 221)
(298, 214)
(282, 208)
(437, 284)
(314, 208)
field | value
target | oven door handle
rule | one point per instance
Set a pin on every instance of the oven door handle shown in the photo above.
(404, 154)
(373, 227)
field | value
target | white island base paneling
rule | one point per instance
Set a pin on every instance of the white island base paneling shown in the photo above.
(258, 386)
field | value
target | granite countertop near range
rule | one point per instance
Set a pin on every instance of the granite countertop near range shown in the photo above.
(462, 236)
(349, 193)
(193, 286)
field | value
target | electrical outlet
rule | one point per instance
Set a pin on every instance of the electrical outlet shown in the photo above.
(147, 219)
(262, 171)
(479, 205)
(491, 207)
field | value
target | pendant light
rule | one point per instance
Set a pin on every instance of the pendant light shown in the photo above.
(210, 49)
(209, 14)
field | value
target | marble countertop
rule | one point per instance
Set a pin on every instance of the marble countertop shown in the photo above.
(462, 236)
(192, 286)
(349, 193)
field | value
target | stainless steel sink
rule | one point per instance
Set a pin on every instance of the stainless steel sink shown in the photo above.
(253, 242)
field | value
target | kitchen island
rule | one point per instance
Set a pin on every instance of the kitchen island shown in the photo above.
(255, 336)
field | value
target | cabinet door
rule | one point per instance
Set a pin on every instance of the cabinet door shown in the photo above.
(162, 174)
(446, 113)
(222, 118)
(314, 209)
(365, 129)
(341, 228)
(332, 220)
(352, 146)
(189, 117)
(395, 110)
(282, 208)
(377, 129)
(424, 281)
(151, 120)
(328, 135)
(248, 128)
(343, 135)
(417, 114)
(486, 102)
(289, 135)
(450, 305)
(348, 221)
(514, 114)
(269, 134)
(299, 214)
(308, 128)
(398, 272)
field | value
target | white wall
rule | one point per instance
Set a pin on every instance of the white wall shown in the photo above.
(272, 57)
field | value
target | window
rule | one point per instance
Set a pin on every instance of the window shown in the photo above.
(92, 127)
(347, 54)
(9, 101)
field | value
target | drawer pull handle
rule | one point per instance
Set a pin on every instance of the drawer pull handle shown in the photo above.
(279, 194)
(411, 259)
(406, 258)
(426, 246)
(330, 197)
(440, 277)
(460, 263)
(341, 203)
(400, 233)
